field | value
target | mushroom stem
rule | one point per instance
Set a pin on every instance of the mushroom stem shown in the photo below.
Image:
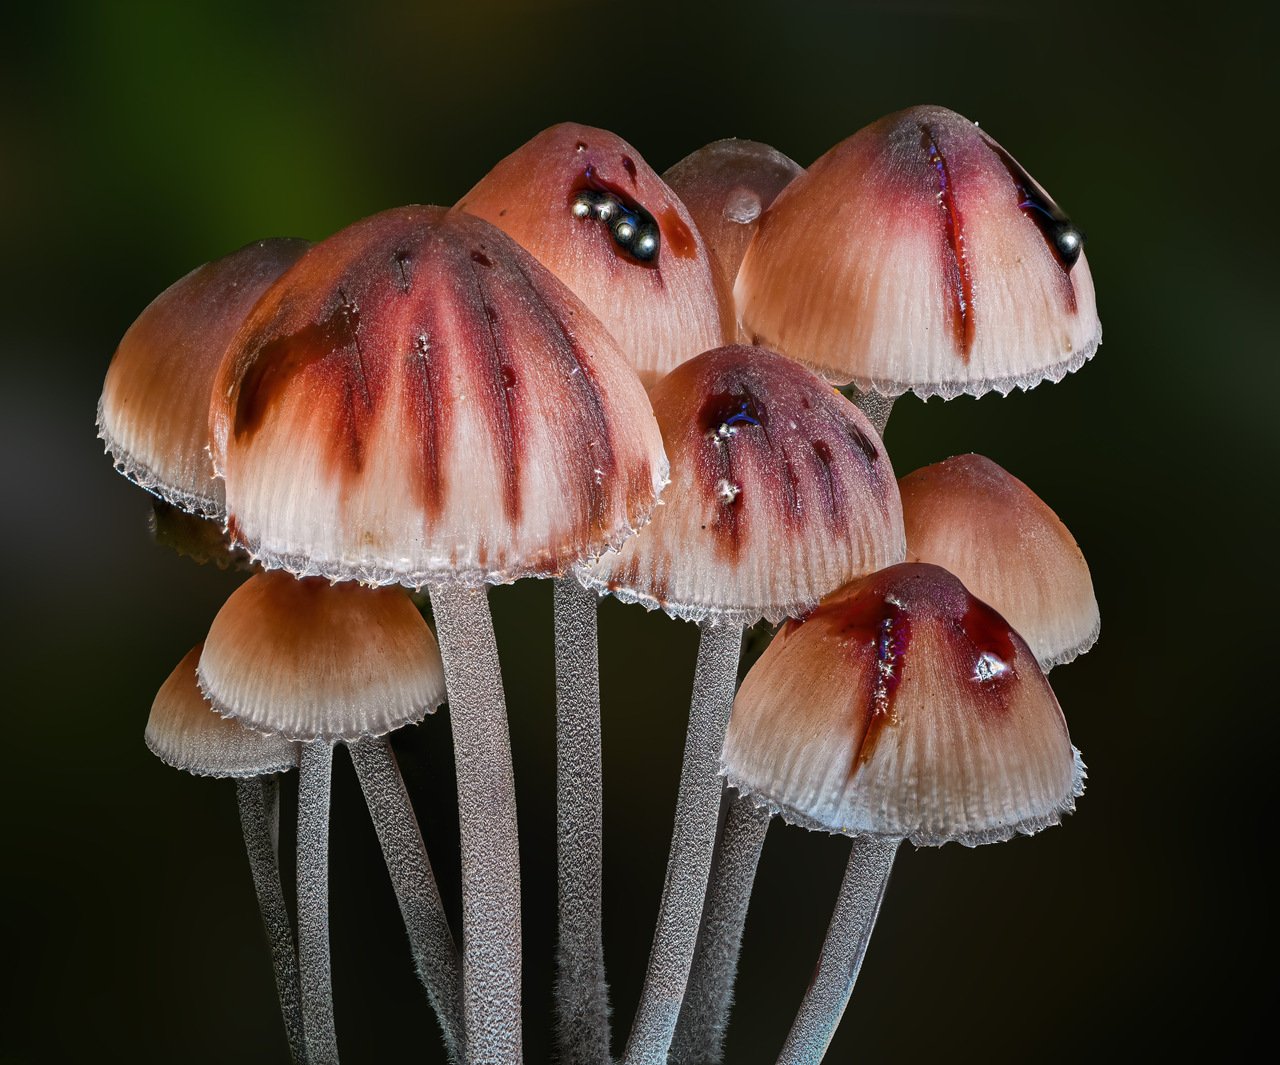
(259, 821)
(487, 824)
(865, 879)
(435, 954)
(699, 1038)
(876, 407)
(582, 995)
(315, 776)
(692, 843)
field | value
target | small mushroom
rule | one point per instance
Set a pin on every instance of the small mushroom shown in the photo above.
(590, 209)
(419, 401)
(919, 255)
(321, 664)
(902, 708)
(970, 516)
(781, 492)
(184, 732)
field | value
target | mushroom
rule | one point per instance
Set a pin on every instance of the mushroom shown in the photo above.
(591, 210)
(319, 665)
(727, 185)
(902, 708)
(419, 401)
(153, 416)
(780, 493)
(184, 732)
(919, 255)
(971, 517)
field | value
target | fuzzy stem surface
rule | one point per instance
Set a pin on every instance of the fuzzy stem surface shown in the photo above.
(315, 776)
(491, 943)
(692, 843)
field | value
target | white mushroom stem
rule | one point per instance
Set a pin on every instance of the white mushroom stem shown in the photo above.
(692, 844)
(582, 995)
(487, 825)
(876, 407)
(824, 1003)
(435, 954)
(259, 821)
(315, 775)
(699, 1038)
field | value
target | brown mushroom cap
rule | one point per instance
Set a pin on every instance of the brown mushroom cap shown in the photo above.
(311, 660)
(904, 707)
(727, 185)
(973, 518)
(662, 310)
(417, 397)
(154, 411)
(918, 255)
(780, 492)
(185, 732)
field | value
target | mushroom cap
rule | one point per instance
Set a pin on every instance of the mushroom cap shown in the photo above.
(904, 707)
(918, 255)
(314, 661)
(154, 412)
(417, 399)
(780, 492)
(185, 732)
(727, 185)
(662, 310)
(973, 518)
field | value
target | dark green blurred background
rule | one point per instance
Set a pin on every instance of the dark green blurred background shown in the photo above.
(141, 141)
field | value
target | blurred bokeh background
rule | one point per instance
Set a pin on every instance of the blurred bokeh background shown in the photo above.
(140, 141)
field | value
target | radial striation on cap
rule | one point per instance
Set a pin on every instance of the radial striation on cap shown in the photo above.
(313, 661)
(185, 732)
(971, 517)
(154, 412)
(418, 398)
(727, 185)
(780, 492)
(904, 707)
(918, 255)
(589, 208)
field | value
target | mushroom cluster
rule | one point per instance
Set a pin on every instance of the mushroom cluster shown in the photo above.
(636, 386)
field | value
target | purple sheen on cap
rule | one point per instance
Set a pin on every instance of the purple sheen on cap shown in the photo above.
(418, 399)
(918, 255)
(904, 707)
(154, 412)
(780, 492)
(590, 209)
(972, 517)
(185, 732)
(317, 661)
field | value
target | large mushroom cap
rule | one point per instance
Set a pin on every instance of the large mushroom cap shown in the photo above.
(727, 185)
(154, 411)
(418, 398)
(971, 517)
(780, 492)
(904, 707)
(918, 255)
(589, 208)
(186, 733)
(312, 661)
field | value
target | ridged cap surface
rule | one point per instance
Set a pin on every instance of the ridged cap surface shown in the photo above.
(418, 399)
(563, 196)
(311, 660)
(918, 255)
(972, 517)
(185, 732)
(904, 707)
(780, 492)
(154, 411)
